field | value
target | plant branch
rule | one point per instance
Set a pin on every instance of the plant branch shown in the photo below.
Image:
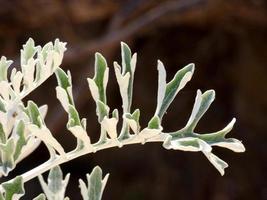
(135, 139)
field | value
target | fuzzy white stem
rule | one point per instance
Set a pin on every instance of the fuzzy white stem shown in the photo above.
(135, 139)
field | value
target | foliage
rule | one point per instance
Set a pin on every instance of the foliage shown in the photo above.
(22, 127)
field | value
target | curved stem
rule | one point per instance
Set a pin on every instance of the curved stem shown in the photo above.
(135, 139)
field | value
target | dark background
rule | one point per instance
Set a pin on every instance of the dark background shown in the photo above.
(227, 42)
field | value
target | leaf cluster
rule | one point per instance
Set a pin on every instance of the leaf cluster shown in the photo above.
(23, 128)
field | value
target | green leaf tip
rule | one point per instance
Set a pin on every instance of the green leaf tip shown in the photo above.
(19, 129)
(4, 65)
(7, 156)
(201, 105)
(63, 79)
(154, 123)
(126, 56)
(95, 183)
(28, 51)
(56, 186)
(34, 114)
(74, 118)
(14, 188)
(167, 92)
(101, 76)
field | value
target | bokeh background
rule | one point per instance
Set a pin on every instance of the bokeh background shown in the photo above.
(227, 42)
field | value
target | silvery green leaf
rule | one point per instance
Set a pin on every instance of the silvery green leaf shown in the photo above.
(46, 48)
(60, 48)
(115, 114)
(218, 163)
(4, 65)
(136, 115)
(218, 139)
(2, 105)
(16, 80)
(7, 156)
(36, 69)
(154, 123)
(133, 62)
(101, 76)
(170, 90)
(40, 197)
(187, 144)
(28, 51)
(123, 81)
(74, 118)
(80, 133)
(62, 96)
(63, 79)
(44, 134)
(202, 103)
(93, 89)
(195, 144)
(133, 120)
(232, 144)
(34, 114)
(102, 110)
(161, 85)
(56, 186)
(95, 185)
(13, 190)
(110, 125)
(65, 82)
(32, 144)
(98, 84)
(28, 73)
(2, 134)
(21, 140)
(75, 125)
(128, 66)
(4, 90)
(126, 56)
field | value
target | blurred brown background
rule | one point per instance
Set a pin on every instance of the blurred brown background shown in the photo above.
(227, 41)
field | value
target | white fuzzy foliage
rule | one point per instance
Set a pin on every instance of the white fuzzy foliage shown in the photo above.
(110, 125)
(62, 96)
(123, 81)
(38, 63)
(132, 123)
(81, 134)
(94, 89)
(46, 136)
(161, 84)
(56, 186)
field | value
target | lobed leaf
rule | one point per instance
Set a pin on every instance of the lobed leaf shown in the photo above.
(56, 186)
(167, 92)
(4, 65)
(133, 120)
(7, 156)
(202, 104)
(14, 189)
(95, 185)
(34, 114)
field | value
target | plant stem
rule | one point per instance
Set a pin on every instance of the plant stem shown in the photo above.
(135, 139)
